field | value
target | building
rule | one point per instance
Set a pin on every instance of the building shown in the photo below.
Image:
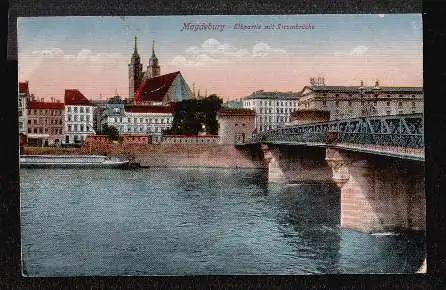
(235, 126)
(235, 104)
(99, 107)
(136, 74)
(45, 122)
(163, 89)
(78, 117)
(356, 101)
(138, 119)
(272, 109)
(22, 106)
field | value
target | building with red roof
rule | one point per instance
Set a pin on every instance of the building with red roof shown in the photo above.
(163, 89)
(45, 122)
(22, 103)
(79, 117)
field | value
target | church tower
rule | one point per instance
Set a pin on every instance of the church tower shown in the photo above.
(135, 72)
(153, 69)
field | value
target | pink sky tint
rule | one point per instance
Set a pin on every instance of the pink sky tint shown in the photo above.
(62, 53)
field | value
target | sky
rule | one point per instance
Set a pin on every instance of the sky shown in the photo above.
(92, 53)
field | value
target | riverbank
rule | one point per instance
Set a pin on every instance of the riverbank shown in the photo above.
(168, 155)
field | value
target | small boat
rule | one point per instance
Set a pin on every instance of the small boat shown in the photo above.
(75, 161)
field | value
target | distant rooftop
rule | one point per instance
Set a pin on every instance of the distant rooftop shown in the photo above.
(368, 89)
(274, 95)
(224, 111)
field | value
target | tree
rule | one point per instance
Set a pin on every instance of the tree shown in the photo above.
(191, 115)
(111, 131)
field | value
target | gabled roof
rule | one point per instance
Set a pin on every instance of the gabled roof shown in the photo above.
(154, 89)
(23, 88)
(45, 105)
(74, 97)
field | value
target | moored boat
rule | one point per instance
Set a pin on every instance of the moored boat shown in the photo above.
(32, 161)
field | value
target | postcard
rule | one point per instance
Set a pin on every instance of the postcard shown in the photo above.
(221, 145)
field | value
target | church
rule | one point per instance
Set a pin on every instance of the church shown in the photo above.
(150, 87)
(150, 107)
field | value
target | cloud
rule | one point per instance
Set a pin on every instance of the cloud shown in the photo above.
(263, 49)
(48, 52)
(359, 50)
(212, 51)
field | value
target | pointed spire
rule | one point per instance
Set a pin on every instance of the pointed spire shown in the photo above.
(153, 47)
(136, 45)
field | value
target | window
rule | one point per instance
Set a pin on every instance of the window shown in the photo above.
(388, 112)
(400, 104)
(375, 102)
(75, 109)
(413, 104)
(337, 103)
(87, 110)
(69, 109)
(29, 122)
(82, 128)
(388, 103)
(81, 109)
(324, 103)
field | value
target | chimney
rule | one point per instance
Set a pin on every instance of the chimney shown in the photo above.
(41, 99)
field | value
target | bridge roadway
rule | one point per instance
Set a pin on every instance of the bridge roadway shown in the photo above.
(399, 136)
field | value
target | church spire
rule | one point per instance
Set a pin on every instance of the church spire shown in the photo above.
(136, 45)
(153, 47)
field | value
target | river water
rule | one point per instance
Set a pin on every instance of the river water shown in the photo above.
(194, 221)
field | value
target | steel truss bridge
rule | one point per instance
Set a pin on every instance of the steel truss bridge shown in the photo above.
(394, 135)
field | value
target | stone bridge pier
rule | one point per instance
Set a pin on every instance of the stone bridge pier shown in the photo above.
(379, 193)
(296, 164)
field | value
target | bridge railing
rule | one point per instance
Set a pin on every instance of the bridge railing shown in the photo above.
(399, 131)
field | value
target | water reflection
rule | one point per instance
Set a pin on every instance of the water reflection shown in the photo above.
(195, 221)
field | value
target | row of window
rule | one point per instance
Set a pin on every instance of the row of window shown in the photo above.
(41, 130)
(80, 109)
(49, 112)
(78, 118)
(272, 103)
(376, 95)
(400, 104)
(140, 129)
(77, 128)
(278, 111)
(142, 120)
(270, 119)
(45, 121)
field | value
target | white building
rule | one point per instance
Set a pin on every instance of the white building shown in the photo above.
(22, 107)
(356, 101)
(138, 119)
(78, 117)
(272, 109)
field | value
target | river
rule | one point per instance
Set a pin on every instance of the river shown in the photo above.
(194, 221)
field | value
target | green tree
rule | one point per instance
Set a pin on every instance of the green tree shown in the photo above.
(111, 131)
(191, 115)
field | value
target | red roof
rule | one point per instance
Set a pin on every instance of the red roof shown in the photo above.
(154, 89)
(23, 88)
(150, 109)
(236, 112)
(45, 105)
(74, 97)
